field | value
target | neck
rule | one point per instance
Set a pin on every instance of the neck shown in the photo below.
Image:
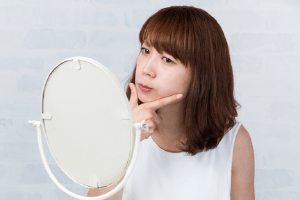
(170, 129)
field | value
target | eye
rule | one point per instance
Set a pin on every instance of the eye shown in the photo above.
(144, 49)
(168, 60)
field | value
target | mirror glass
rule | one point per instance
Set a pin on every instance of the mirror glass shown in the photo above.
(87, 121)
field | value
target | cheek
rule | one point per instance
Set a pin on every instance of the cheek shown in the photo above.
(171, 85)
(179, 84)
(138, 72)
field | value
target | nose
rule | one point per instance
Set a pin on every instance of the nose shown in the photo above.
(150, 65)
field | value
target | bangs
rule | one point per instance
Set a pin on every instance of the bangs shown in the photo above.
(169, 32)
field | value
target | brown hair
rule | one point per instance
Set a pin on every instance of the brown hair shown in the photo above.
(194, 37)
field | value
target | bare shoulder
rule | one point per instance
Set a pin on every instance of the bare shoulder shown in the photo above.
(242, 145)
(242, 178)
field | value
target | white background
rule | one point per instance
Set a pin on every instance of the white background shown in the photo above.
(35, 35)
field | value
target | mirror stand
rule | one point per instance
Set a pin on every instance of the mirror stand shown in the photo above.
(137, 126)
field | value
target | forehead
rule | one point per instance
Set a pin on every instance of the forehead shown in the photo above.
(147, 43)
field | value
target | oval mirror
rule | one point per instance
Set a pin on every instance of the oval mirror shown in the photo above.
(88, 123)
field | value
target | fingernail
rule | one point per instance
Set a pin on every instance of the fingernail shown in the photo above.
(179, 95)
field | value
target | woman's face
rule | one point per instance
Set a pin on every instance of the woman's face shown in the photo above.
(161, 72)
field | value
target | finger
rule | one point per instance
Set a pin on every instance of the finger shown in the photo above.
(133, 96)
(154, 105)
(156, 118)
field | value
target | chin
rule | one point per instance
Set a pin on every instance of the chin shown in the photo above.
(144, 100)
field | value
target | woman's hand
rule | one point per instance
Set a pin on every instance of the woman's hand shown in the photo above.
(146, 111)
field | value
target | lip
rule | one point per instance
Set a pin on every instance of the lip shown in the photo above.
(144, 88)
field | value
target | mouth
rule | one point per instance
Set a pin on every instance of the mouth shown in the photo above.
(145, 86)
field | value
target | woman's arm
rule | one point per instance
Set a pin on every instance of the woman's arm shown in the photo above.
(98, 192)
(242, 178)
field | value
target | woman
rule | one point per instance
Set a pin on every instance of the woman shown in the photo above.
(194, 149)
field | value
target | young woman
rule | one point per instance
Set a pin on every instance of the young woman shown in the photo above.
(195, 148)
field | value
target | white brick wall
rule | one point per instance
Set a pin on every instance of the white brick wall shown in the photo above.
(263, 37)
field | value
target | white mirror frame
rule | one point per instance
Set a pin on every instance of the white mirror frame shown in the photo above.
(137, 126)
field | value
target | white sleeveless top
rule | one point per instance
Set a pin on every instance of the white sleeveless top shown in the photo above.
(162, 175)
